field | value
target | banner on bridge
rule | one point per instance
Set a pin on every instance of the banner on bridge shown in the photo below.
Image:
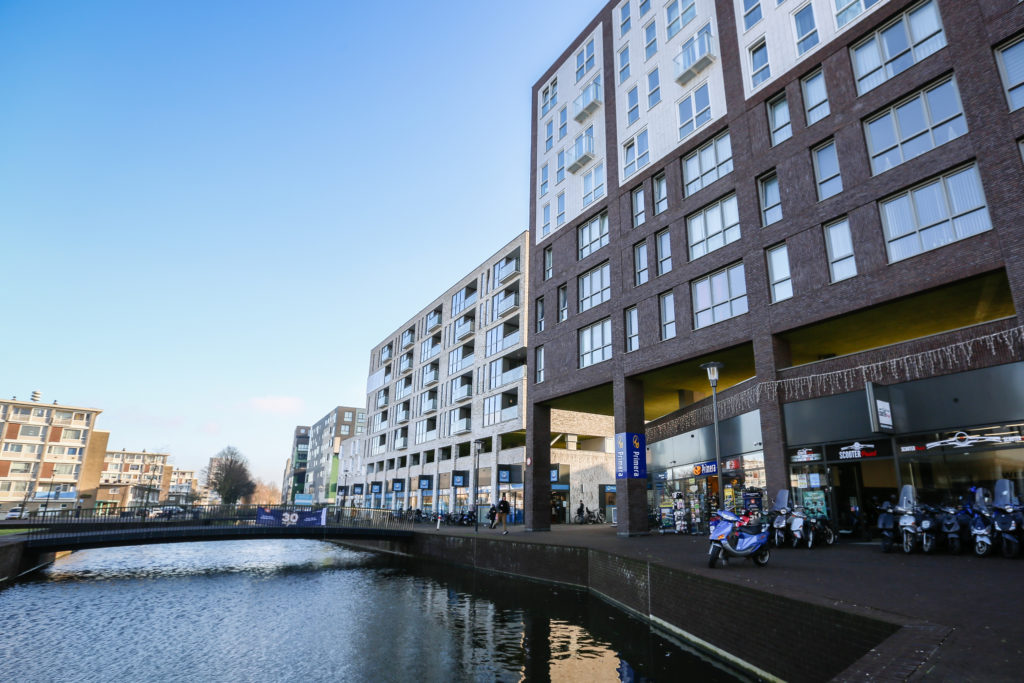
(269, 517)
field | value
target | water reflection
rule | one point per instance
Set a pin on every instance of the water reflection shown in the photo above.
(280, 610)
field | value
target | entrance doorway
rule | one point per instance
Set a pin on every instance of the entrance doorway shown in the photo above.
(559, 507)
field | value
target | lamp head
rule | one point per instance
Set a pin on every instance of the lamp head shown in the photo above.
(712, 368)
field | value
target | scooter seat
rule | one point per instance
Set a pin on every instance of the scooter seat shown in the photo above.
(752, 529)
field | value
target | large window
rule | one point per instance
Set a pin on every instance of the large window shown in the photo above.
(751, 13)
(1011, 67)
(916, 125)
(935, 214)
(640, 271)
(592, 235)
(650, 40)
(624, 22)
(595, 343)
(585, 60)
(713, 227)
(593, 184)
(663, 248)
(678, 14)
(778, 273)
(694, 111)
(806, 30)
(846, 10)
(826, 170)
(815, 97)
(595, 287)
(636, 153)
(639, 213)
(839, 245)
(667, 315)
(778, 119)
(706, 165)
(771, 199)
(632, 329)
(660, 193)
(549, 135)
(719, 296)
(760, 71)
(901, 44)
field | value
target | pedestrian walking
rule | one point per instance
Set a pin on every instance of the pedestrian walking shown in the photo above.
(503, 513)
(492, 516)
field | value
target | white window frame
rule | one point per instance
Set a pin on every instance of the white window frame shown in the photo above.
(694, 110)
(708, 163)
(663, 252)
(592, 236)
(851, 10)
(780, 279)
(641, 270)
(713, 226)
(538, 313)
(759, 75)
(594, 287)
(802, 44)
(771, 207)
(842, 263)
(560, 166)
(903, 233)
(666, 316)
(636, 198)
(595, 343)
(824, 177)
(780, 122)
(678, 13)
(650, 39)
(593, 184)
(624, 20)
(623, 64)
(545, 226)
(660, 184)
(883, 68)
(563, 121)
(813, 111)
(563, 303)
(632, 326)
(538, 364)
(544, 180)
(584, 60)
(653, 89)
(633, 105)
(1015, 90)
(560, 209)
(728, 282)
(752, 14)
(549, 268)
(636, 154)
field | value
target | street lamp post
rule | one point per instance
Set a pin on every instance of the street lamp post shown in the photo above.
(476, 485)
(712, 370)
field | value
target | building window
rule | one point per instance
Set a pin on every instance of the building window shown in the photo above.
(594, 287)
(895, 48)
(694, 111)
(839, 244)
(660, 194)
(719, 296)
(707, 164)
(592, 235)
(760, 71)
(560, 209)
(639, 213)
(563, 303)
(549, 135)
(545, 227)
(623, 65)
(935, 214)
(632, 329)
(826, 170)
(595, 343)
(846, 10)
(549, 263)
(751, 13)
(560, 168)
(633, 105)
(778, 119)
(815, 97)
(585, 60)
(667, 315)
(636, 153)
(678, 14)
(806, 30)
(771, 201)
(538, 364)
(778, 273)
(593, 184)
(1011, 68)
(543, 180)
(650, 40)
(713, 227)
(916, 125)
(653, 89)
(663, 251)
(563, 122)
(645, 5)
(624, 23)
(538, 313)
(548, 97)
(640, 271)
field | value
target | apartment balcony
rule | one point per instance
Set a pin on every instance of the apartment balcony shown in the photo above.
(403, 391)
(433, 320)
(509, 413)
(430, 377)
(428, 406)
(407, 339)
(427, 436)
(431, 351)
(580, 154)
(462, 392)
(404, 365)
(464, 330)
(64, 440)
(506, 304)
(587, 103)
(383, 424)
(401, 442)
(377, 449)
(27, 419)
(508, 270)
(463, 362)
(506, 342)
(69, 422)
(696, 55)
(401, 416)
(461, 425)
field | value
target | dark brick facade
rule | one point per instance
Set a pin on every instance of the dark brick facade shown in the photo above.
(973, 28)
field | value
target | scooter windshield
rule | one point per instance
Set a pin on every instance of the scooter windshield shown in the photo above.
(1003, 493)
(781, 500)
(907, 497)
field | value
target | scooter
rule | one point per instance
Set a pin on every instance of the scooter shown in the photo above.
(796, 524)
(886, 523)
(819, 530)
(954, 521)
(1007, 518)
(905, 508)
(981, 523)
(779, 515)
(729, 539)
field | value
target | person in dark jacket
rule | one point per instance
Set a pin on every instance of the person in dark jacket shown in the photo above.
(492, 516)
(503, 513)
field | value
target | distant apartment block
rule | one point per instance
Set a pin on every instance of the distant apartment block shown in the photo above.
(325, 438)
(133, 478)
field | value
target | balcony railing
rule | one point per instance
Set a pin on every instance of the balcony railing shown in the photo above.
(423, 437)
(407, 340)
(509, 413)
(508, 269)
(507, 304)
(433, 320)
(401, 442)
(403, 391)
(401, 416)
(382, 401)
(464, 362)
(428, 406)
(27, 419)
(580, 154)
(404, 365)
(463, 329)
(463, 391)
(382, 424)
(508, 341)
(69, 422)
(431, 351)
(696, 54)
(508, 376)
(588, 102)
(430, 377)
(461, 425)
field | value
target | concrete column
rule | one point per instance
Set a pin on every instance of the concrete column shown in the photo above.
(537, 471)
(630, 494)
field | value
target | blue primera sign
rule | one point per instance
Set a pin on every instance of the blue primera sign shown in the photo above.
(630, 456)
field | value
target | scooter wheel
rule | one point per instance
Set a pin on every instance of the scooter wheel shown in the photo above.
(981, 548)
(830, 536)
(908, 543)
(761, 558)
(716, 552)
(928, 543)
(810, 539)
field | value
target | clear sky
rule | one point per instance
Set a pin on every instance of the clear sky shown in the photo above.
(204, 205)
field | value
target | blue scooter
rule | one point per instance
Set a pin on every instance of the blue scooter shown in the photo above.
(730, 539)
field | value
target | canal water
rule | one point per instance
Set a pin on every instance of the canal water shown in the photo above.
(298, 610)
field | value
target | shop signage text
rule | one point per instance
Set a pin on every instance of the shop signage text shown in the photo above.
(806, 455)
(705, 468)
(630, 456)
(857, 450)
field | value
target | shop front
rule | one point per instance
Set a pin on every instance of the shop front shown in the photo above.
(425, 486)
(398, 489)
(510, 483)
(460, 482)
(376, 491)
(560, 509)
(358, 499)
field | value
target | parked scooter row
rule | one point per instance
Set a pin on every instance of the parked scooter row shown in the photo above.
(984, 522)
(794, 526)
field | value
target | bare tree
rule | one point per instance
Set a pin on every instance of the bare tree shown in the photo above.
(228, 475)
(264, 494)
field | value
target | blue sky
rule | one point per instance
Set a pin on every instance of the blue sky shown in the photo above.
(203, 203)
